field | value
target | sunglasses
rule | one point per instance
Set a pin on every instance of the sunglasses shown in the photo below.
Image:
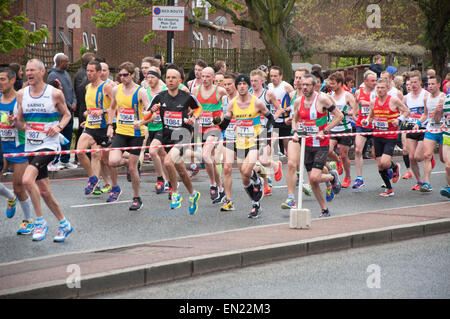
(124, 74)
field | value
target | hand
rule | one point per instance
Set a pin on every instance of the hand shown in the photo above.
(396, 123)
(83, 124)
(156, 107)
(416, 127)
(320, 136)
(288, 121)
(137, 124)
(295, 137)
(110, 132)
(190, 121)
(52, 131)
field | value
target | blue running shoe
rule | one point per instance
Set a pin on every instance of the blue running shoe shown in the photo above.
(92, 184)
(329, 194)
(358, 183)
(193, 203)
(176, 201)
(426, 188)
(26, 228)
(40, 231)
(445, 191)
(288, 203)
(114, 194)
(11, 207)
(62, 234)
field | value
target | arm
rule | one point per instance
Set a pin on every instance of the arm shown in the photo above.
(112, 112)
(369, 119)
(402, 108)
(144, 99)
(273, 100)
(295, 120)
(60, 104)
(352, 103)
(355, 106)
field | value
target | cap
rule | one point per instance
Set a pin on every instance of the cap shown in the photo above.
(263, 68)
(391, 69)
(242, 78)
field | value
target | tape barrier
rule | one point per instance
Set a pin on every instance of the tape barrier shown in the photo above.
(208, 143)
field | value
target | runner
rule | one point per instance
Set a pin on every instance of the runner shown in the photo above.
(13, 141)
(257, 78)
(39, 106)
(416, 101)
(94, 136)
(310, 118)
(229, 136)
(210, 98)
(281, 89)
(346, 103)
(363, 96)
(445, 191)
(247, 110)
(128, 99)
(176, 107)
(435, 99)
(384, 112)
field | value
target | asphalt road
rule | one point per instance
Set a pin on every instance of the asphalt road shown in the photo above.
(98, 225)
(417, 268)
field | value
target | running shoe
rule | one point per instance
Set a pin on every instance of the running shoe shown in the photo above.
(136, 204)
(396, 173)
(114, 194)
(40, 231)
(358, 183)
(335, 183)
(62, 233)
(159, 187)
(259, 190)
(346, 183)
(262, 169)
(307, 189)
(426, 188)
(193, 171)
(227, 206)
(289, 203)
(340, 168)
(324, 213)
(333, 165)
(407, 175)
(267, 190)
(11, 207)
(193, 203)
(269, 181)
(433, 162)
(255, 212)
(329, 194)
(388, 193)
(219, 198)
(102, 190)
(26, 228)
(417, 186)
(279, 172)
(176, 201)
(92, 184)
(445, 191)
(213, 192)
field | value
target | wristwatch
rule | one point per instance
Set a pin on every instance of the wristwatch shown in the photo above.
(60, 127)
(325, 131)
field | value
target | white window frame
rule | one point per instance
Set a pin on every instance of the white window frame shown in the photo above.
(94, 42)
(45, 39)
(201, 40)
(209, 41)
(85, 40)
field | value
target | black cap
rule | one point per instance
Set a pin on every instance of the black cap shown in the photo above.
(242, 78)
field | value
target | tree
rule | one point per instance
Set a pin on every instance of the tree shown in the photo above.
(266, 17)
(12, 33)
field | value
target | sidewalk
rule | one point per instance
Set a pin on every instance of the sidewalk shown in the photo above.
(159, 261)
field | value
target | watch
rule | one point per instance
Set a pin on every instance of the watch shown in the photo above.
(325, 131)
(60, 126)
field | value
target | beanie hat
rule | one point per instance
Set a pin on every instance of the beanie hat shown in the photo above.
(242, 78)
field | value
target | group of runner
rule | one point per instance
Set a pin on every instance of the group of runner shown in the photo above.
(233, 116)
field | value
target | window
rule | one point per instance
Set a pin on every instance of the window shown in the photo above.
(214, 41)
(201, 40)
(94, 42)
(209, 40)
(33, 26)
(46, 39)
(85, 40)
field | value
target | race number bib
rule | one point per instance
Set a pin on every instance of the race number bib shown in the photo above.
(35, 133)
(447, 121)
(173, 119)
(206, 119)
(245, 128)
(365, 110)
(94, 120)
(7, 133)
(381, 125)
(310, 127)
(126, 116)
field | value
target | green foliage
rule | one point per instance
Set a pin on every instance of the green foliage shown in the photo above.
(12, 33)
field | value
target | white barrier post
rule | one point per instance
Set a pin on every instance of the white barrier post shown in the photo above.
(299, 217)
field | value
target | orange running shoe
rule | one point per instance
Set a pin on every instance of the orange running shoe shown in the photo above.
(388, 193)
(279, 172)
(346, 182)
(407, 175)
(267, 190)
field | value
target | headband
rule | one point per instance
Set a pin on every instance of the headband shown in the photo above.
(154, 73)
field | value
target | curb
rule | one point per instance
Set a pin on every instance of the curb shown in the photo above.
(156, 273)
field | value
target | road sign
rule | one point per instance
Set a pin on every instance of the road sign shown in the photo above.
(168, 18)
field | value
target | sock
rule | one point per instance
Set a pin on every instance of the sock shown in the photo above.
(64, 223)
(26, 207)
(40, 220)
(249, 190)
(254, 176)
(160, 179)
(359, 177)
(4, 191)
(406, 160)
(193, 166)
(385, 177)
(291, 196)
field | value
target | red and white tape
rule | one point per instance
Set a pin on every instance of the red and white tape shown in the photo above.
(199, 144)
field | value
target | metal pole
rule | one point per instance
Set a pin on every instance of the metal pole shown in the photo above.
(170, 39)
(302, 169)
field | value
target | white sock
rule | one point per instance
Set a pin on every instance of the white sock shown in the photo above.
(5, 192)
(26, 207)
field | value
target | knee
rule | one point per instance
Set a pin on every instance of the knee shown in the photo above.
(292, 166)
(427, 156)
(314, 179)
(227, 169)
(44, 192)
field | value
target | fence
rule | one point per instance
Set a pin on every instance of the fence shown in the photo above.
(43, 51)
(238, 60)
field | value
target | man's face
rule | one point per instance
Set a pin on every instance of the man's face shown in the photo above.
(334, 85)
(64, 63)
(207, 77)
(242, 88)
(256, 82)
(152, 80)
(145, 66)
(218, 79)
(385, 76)
(34, 74)
(381, 89)
(92, 73)
(228, 84)
(5, 83)
(298, 79)
(371, 81)
(198, 71)
(433, 86)
(416, 83)
(125, 76)
(105, 72)
(307, 87)
(173, 79)
(275, 77)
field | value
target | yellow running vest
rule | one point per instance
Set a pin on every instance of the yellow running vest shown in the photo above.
(248, 124)
(97, 99)
(129, 109)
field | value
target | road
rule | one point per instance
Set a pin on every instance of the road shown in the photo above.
(417, 268)
(98, 225)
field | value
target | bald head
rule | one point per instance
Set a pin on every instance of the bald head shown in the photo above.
(207, 76)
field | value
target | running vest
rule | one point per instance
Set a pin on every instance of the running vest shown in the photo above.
(40, 114)
(229, 133)
(129, 109)
(212, 107)
(156, 124)
(383, 118)
(269, 106)
(346, 121)
(96, 99)
(447, 116)
(193, 85)
(416, 107)
(283, 98)
(363, 111)
(248, 124)
(393, 92)
(8, 133)
(432, 103)
(312, 122)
